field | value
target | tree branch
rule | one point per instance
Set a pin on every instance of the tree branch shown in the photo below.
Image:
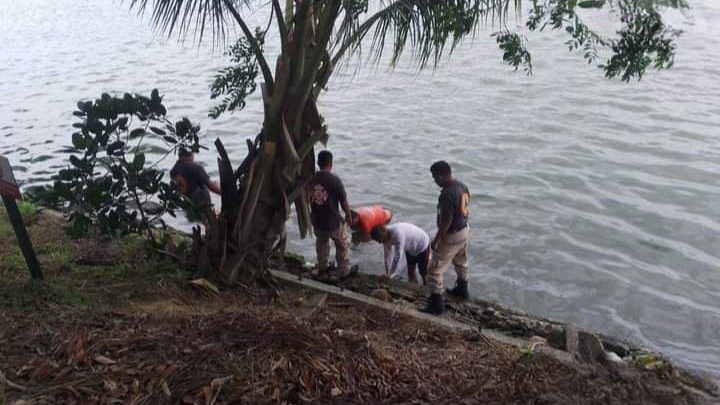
(10, 384)
(282, 27)
(302, 15)
(267, 74)
(325, 28)
(289, 13)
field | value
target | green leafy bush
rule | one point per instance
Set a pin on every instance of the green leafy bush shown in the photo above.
(235, 83)
(111, 183)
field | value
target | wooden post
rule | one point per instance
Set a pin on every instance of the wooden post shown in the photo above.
(11, 192)
(22, 237)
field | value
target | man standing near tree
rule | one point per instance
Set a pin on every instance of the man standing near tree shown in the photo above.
(327, 195)
(194, 183)
(450, 244)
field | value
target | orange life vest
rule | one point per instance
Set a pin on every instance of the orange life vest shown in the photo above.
(369, 217)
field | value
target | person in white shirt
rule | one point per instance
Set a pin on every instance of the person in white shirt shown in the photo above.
(407, 238)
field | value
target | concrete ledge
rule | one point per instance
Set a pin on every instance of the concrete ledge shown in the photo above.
(403, 307)
(409, 310)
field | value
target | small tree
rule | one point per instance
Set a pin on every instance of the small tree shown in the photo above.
(110, 183)
(315, 37)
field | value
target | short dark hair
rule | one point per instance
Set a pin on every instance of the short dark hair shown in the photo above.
(184, 152)
(440, 168)
(378, 233)
(325, 159)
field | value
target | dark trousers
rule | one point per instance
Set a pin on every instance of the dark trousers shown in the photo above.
(421, 261)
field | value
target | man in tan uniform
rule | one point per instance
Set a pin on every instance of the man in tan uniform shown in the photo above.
(450, 245)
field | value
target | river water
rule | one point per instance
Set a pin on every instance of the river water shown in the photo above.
(594, 202)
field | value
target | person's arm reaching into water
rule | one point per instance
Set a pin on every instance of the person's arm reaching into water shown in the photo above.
(387, 249)
(399, 247)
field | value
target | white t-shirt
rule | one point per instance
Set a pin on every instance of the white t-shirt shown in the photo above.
(404, 238)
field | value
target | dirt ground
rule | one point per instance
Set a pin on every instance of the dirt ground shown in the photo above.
(133, 331)
(253, 347)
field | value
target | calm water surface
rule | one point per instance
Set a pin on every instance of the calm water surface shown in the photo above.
(595, 202)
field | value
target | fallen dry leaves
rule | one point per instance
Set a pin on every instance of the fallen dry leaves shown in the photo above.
(250, 349)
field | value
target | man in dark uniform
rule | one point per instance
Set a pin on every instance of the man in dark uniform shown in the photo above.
(450, 245)
(194, 182)
(327, 194)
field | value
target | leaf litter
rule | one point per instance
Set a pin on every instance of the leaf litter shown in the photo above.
(248, 348)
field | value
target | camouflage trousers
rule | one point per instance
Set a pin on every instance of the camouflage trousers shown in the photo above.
(342, 249)
(451, 250)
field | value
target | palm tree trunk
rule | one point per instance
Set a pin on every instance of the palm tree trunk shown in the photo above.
(257, 196)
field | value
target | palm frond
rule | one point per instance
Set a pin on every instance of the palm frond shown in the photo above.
(182, 16)
(349, 24)
(430, 27)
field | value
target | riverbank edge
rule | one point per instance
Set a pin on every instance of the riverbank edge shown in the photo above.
(562, 341)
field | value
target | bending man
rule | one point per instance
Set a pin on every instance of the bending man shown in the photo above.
(404, 238)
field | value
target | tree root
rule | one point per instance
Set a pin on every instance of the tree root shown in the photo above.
(4, 381)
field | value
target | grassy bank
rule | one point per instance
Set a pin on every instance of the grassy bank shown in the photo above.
(80, 274)
(109, 324)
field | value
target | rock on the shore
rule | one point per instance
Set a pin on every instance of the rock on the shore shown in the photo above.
(538, 340)
(583, 345)
(612, 357)
(591, 348)
(381, 294)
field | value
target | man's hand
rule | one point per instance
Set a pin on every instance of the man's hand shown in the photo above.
(440, 235)
(349, 218)
(435, 242)
(348, 214)
(214, 187)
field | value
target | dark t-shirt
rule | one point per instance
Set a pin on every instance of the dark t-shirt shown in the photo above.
(454, 204)
(326, 194)
(189, 176)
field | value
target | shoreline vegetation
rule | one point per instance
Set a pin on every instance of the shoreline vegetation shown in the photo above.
(110, 324)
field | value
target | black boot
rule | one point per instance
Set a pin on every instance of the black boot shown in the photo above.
(435, 305)
(460, 290)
